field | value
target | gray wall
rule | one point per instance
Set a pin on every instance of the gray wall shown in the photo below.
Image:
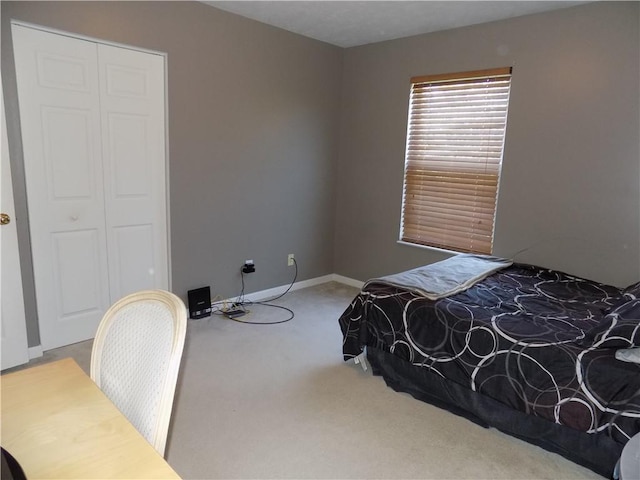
(570, 185)
(253, 118)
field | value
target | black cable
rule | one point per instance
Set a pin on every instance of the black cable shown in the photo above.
(241, 302)
(239, 319)
(295, 276)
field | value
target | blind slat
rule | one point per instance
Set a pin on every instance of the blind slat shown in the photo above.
(453, 237)
(426, 231)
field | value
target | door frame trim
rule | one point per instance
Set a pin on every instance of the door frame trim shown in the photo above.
(87, 38)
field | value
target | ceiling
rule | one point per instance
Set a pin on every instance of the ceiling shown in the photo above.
(349, 24)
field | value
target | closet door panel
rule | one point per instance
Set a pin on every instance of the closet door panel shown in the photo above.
(132, 257)
(58, 93)
(129, 162)
(133, 120)
(68, 139)
(77, 287)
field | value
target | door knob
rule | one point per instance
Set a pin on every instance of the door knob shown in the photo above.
(5, 219)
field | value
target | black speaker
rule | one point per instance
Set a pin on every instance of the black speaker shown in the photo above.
(199, 302)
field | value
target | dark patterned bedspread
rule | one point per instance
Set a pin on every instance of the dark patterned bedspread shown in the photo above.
(522, 337)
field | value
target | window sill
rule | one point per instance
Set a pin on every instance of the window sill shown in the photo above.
(426, 247)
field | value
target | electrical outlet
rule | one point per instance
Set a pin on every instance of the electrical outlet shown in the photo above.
(290, 260)
(248, 267)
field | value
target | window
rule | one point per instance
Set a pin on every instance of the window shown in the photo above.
(455, 139)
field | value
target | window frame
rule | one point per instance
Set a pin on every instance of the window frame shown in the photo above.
(467, 225)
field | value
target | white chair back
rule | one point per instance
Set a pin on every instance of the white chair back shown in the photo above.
(136, 357)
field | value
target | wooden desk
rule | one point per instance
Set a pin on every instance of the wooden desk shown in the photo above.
(58, 424)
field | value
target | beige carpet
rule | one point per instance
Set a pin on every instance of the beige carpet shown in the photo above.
(257, 401)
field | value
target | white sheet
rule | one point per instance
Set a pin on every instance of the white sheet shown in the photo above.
(445, 278)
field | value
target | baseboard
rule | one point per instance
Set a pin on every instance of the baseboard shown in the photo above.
(347, 281)
(35, 352)
(274, 292)
(312, 282)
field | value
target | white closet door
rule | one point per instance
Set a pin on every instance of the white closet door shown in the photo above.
(58, 93)
(93, 132)
(133, 145)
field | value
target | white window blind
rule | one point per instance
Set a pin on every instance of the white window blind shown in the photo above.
(455, 140)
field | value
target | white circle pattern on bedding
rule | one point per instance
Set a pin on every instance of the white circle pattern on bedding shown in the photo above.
(539, 341)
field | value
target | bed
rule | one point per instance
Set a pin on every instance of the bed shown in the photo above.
(527, 350)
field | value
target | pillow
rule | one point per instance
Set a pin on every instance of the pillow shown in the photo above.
(631, 355)
(618, 329)
(632, 291)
